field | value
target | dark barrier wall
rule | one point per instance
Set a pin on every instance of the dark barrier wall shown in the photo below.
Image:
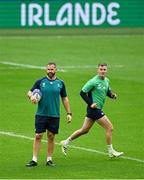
(54, 13)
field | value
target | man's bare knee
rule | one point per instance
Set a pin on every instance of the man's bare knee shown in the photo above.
(51, 136)
(110, 128)
(38, 136)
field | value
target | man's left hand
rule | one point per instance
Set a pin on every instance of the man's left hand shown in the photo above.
(69, 118)
(114, 96)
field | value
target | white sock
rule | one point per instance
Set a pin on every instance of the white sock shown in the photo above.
(34, 158)
(110, 147)
(67, 141)
(49, 158)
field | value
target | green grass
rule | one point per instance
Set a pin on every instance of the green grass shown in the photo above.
(123, 53)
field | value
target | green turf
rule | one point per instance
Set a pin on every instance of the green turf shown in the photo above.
(77, 56)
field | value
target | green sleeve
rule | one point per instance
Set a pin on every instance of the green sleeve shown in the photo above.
(88, 86)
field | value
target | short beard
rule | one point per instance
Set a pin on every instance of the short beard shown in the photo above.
(51, 75)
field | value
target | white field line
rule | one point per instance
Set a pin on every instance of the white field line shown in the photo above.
(11, 134)
(29, 66)
(62, 69)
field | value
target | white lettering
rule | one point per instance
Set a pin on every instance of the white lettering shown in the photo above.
(23, 14)
(112, 13)
(64, 20)
(35, 18)
(69, 14)
(83, 14)
(47, 20)
(95, 20)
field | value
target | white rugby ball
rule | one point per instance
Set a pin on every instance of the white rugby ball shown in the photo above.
(37, 94)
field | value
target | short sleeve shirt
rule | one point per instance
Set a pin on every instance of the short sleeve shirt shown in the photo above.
(51, 90)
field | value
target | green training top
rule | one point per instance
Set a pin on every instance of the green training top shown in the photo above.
(97, 89)
(51, 90)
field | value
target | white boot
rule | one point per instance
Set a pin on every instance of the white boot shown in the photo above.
(64, 147)
(114, 153)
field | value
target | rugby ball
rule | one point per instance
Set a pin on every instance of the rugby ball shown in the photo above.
(37, 94)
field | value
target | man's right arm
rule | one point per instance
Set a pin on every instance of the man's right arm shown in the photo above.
(31, 97)
(86, 98)
(29, 94)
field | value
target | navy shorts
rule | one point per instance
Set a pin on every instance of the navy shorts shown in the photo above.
(94, 114)
(43, 123)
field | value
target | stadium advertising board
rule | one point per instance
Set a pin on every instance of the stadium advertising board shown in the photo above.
(56, 13)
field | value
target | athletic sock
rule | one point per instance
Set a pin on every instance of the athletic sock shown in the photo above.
(49, 158)
(34, 158)
(110, 147)
(67, 141)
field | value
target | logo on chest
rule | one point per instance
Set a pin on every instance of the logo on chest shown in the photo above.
(43, 84)
(101, 86)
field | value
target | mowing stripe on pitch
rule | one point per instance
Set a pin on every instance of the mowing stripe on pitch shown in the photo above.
(11, 134)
